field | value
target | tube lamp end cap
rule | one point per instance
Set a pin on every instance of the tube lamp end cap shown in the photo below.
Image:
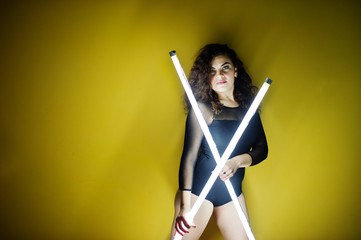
(172, 53)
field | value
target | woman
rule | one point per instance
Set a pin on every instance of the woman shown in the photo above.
(224, 92)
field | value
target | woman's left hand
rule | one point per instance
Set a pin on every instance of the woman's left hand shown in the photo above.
(229, 169)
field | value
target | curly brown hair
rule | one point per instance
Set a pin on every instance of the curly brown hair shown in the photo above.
(198, 78)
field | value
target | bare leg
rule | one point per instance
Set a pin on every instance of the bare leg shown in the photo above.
(229, 222)
(201, 219)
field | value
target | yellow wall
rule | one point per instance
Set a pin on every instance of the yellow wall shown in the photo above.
(92, 118)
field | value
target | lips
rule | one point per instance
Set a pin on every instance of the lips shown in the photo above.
(221, 82)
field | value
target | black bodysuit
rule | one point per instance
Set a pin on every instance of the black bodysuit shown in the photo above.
(197, 161)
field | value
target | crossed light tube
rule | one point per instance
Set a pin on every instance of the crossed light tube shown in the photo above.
(220, 161)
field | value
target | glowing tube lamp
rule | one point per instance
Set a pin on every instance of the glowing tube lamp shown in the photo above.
(220, 161)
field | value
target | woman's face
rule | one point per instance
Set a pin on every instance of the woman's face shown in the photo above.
(222, 75)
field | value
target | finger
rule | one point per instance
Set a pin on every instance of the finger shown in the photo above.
(178, 230)
(227, 178)
(223, 173)
(191, 224)
(227, 175)
(186, 224)
(222, 176)
(182, 225)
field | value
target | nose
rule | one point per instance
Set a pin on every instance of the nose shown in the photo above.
(219, 74)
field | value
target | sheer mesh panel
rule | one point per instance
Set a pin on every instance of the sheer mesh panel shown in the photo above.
(194, 136)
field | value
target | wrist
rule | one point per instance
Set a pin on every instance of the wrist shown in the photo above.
(237, 161)
(247, 160)
(186, 200)
(185, 205)
(244, 160)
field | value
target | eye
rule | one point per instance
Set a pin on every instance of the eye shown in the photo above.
(212, 72)
(226, 67)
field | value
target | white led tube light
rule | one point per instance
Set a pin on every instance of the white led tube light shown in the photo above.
(212, 145)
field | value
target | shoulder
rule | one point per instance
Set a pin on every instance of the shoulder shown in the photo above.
(206, 110)
(205, 107)
(257, 117)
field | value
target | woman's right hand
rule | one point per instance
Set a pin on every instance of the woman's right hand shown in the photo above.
(183, 224)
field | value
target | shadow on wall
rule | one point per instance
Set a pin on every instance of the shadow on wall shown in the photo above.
(236, 42)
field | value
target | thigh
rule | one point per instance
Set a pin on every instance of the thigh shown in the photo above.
(229, 222)
(200, 220)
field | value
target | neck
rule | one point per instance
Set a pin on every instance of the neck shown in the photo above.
(227, 100)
